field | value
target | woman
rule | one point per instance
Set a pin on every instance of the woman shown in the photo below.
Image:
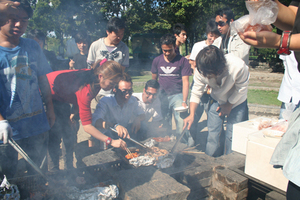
(78, 87)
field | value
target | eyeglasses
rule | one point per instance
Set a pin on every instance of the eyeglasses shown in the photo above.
(125, 92)
(220, 23)
(149, 94)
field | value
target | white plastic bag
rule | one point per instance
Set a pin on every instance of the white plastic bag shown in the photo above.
(262, 14)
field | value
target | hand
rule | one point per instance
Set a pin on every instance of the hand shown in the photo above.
(118, 144)
(188, 122)
(263, 39)
(72, 118)
(224, 109)
(5, 131)
(136, 125)
(184, 104)
(7, 8)
(71, 64)
(122, 132)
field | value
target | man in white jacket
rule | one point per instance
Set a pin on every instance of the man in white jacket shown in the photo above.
(228, 77)
(230, 42)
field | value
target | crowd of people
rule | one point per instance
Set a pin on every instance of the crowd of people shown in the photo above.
(42, 105)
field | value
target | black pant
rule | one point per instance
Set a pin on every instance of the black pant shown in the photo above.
(61, 131)
(293, 192)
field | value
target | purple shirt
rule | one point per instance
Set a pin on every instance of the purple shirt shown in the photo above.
(170, 73)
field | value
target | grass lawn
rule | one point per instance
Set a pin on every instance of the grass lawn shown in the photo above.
(261, 97)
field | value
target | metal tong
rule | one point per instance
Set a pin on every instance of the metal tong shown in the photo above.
(15, 145)
(133, 140)
(178, 139)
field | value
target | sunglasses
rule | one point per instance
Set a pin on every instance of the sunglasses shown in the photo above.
(220, 23)
(149, 94)
(125, 92)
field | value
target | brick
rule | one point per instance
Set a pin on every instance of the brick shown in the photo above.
(230, 179)
(273, 195)
(149, 183)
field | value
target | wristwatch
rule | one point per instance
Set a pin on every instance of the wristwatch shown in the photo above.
(284, 43)
(108, 141)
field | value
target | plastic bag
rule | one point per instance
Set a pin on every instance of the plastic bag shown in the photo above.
(262, 14)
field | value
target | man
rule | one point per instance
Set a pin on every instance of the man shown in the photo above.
(212, 33)
(120, 111)
(172, 72)
(111, 47)
(179, 32)
(149, 102)
(82, 40)
(227, 42)
(23, 69)
(228, 76)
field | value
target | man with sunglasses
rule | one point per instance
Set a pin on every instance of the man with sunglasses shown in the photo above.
(149, 102)
(229, 42)
(120, 111)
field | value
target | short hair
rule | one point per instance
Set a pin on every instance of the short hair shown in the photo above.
(211, 27)
(211, 60)
(82, 36)
(177, 28)
(226, 11)
(115, 24)
(168, 39)
(126, 78)
(152, 83)
(24, 4)
(36, 34)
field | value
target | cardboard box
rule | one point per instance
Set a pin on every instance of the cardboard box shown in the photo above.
(259, 152)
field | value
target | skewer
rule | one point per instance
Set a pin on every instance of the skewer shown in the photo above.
(129, 152)
(196, 152)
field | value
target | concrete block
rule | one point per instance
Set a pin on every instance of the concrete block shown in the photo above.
(259, 153)
(149, 183)
(229, 179)
(100, 158)
(275, 196)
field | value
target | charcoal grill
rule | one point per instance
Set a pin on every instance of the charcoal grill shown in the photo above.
(93, 175)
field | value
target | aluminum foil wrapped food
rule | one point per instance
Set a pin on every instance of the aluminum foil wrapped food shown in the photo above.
(96, 193)
(150, 143)
(165, 162)
(9, 191)
(142, 161)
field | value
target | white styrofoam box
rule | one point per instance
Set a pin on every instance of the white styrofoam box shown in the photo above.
(240, 134)
(259, 152)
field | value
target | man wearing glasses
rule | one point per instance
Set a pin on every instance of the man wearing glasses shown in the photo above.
(120, 111)
(230, 42)
(149, 102)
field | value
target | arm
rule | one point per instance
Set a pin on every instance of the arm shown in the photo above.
(154, 76)
(122, 131)
(7, 8)
(190, 119)
(89, 128)
(47, 98)
(286, 16)
(185, 90)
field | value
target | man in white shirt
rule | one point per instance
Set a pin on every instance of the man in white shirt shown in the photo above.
(149, 102)
(120, 111)
(228, 77)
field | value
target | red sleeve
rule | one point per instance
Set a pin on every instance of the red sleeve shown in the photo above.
(84, 98)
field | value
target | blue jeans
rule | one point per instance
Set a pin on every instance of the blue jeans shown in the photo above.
(175, 101)
(216, 145)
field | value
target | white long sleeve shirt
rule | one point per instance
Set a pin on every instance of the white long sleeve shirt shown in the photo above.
(231, 85)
